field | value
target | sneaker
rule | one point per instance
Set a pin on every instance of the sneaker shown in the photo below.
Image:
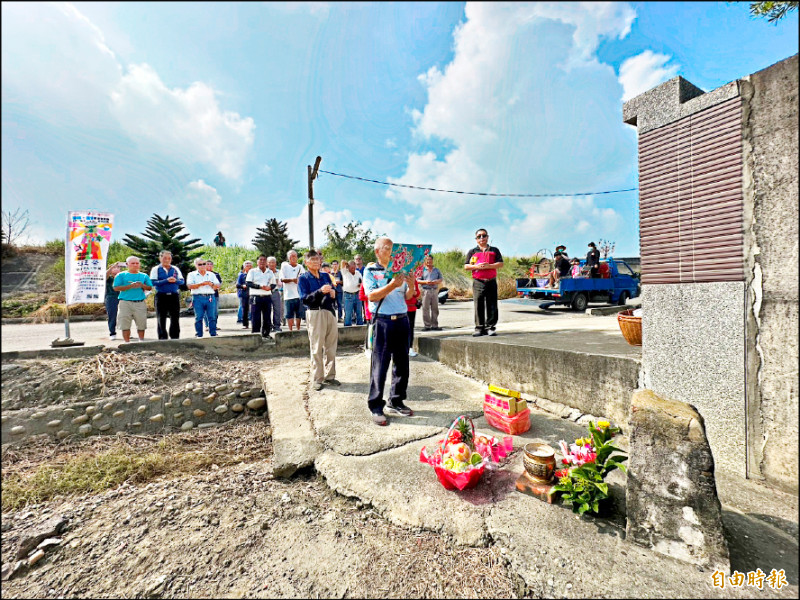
(278, 330)
(245, 326)
(238, 322)
(427, 328)
(492, 331)
(436, 328)
(112, 337)
(478, 333)
(412, 353)
(333, 382)
(317, 386)
(198, 336)
(379, 419)
(401, 410)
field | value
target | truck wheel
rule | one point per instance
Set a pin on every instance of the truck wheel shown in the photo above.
(622, 298)
(579, 302)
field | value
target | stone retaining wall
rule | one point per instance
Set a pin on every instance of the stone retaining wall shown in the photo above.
(594, 384)
(187, 407)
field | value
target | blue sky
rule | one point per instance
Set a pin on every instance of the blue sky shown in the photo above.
(211, 112)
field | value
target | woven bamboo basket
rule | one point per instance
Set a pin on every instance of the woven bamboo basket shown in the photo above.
(631, 327)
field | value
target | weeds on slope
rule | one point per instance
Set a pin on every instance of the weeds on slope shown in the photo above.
(39, 471)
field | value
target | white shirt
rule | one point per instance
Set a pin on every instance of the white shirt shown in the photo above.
(260, 278)
(290, 291)
(351, 283)
(278, 282)
(195, 277)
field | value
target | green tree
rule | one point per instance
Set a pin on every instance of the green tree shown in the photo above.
(273, 239)
(773, 11)
(164, 233)
(354, 239)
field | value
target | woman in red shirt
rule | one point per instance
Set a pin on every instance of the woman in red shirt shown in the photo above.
(411, 304)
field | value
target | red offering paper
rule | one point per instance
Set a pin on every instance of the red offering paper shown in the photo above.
(491, 450)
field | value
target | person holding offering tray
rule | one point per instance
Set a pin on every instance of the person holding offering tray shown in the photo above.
(387, 303)
(484, 260)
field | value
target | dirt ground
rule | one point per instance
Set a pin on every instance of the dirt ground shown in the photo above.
(45, 382)
(233, 532)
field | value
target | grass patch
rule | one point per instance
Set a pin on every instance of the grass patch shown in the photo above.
(32, 474)
(22, 305)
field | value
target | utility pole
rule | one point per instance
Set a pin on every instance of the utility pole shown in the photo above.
(312, 175)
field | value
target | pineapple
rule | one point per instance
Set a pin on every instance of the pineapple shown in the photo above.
(465, 430)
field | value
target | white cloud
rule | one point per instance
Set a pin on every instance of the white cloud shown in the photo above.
(182, 122)
(523, 107)
(556, 220)
(58, 63)
(204, 213)
(298, 226)
(644, 71)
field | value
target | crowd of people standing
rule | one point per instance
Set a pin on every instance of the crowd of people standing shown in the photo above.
(324, 294)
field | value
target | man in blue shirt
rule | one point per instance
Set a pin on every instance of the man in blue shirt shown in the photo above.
(318, 294)
(244, 294)
(131, 285)
(167, 281)
(387, 304)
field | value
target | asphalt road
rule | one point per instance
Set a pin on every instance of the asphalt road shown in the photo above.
(453, 316)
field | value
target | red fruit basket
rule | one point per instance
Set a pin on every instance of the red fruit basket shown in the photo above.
(467, 479)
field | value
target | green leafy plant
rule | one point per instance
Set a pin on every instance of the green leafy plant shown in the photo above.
(583, 484)
(353, 239)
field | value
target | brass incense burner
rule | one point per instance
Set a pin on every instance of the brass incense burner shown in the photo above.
(540, 461)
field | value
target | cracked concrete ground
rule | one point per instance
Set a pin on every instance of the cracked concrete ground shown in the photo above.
(554, 552)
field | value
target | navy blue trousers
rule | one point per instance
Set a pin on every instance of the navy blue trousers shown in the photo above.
(390, 343)
(261, 314)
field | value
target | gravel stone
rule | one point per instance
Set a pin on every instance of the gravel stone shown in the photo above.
(256, 403)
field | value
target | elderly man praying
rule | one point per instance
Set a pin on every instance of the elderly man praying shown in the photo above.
(131, 285)
(387, 303)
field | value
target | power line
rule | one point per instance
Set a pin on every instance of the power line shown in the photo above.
(416, 187)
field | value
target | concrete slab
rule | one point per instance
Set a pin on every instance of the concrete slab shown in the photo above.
(553, 551)
(436, 394)
(407, 492)
(294, 445)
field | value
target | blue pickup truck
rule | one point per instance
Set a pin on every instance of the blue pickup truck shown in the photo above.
(619, 284)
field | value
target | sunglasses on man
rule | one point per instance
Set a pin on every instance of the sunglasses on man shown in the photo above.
(482, 235)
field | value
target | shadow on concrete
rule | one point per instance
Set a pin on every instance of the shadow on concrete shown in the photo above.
(754, 544)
